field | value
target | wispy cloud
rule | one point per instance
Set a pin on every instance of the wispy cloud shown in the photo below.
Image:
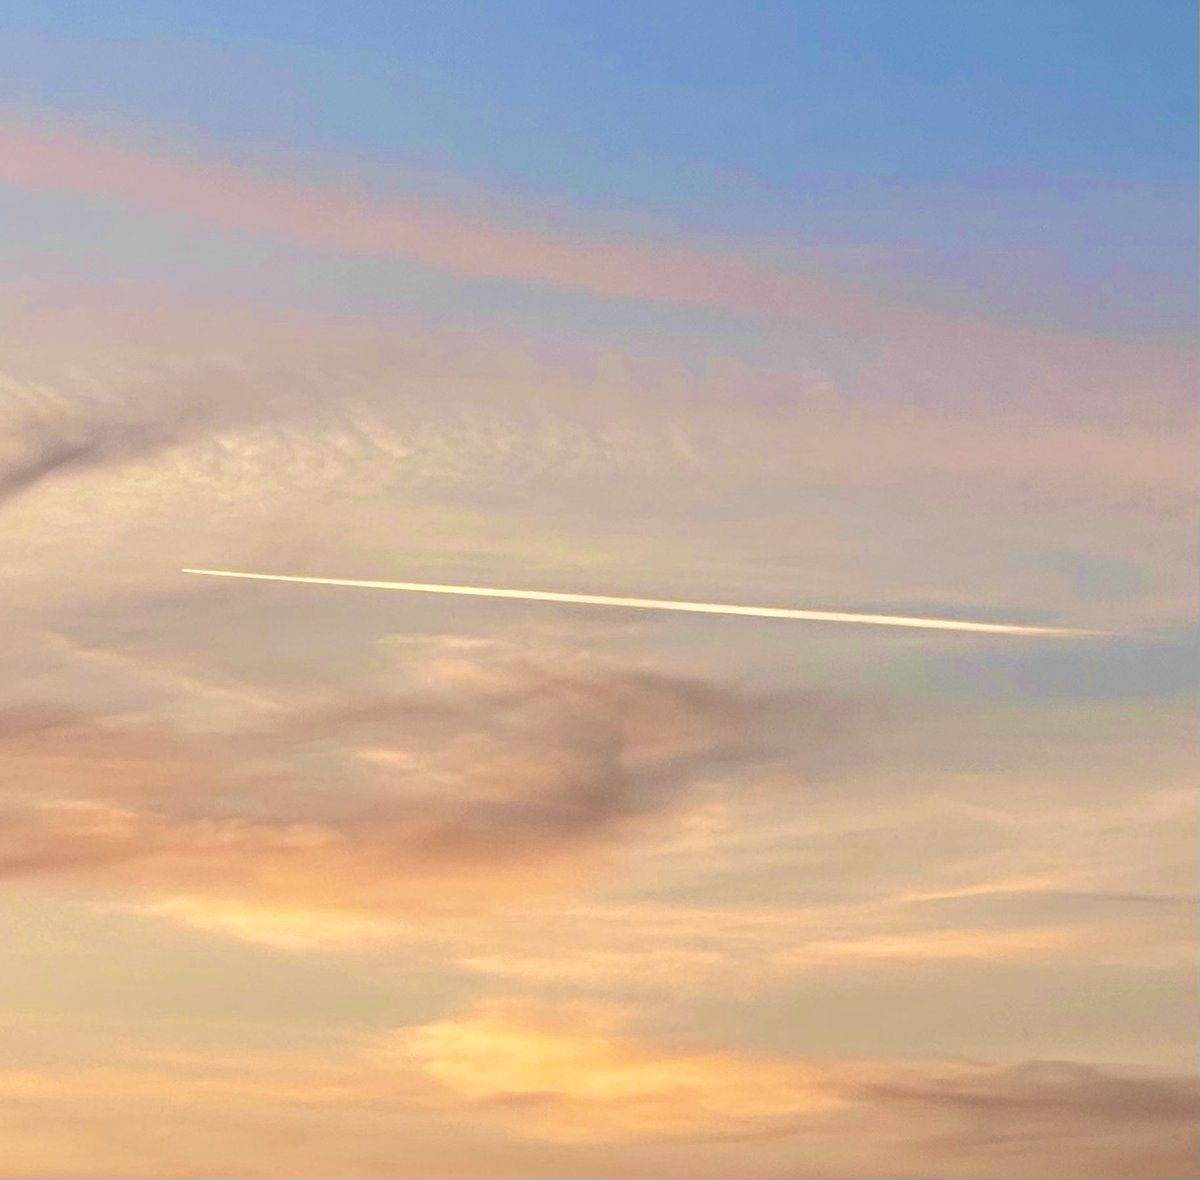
(470, 880)
(504, 772)
(325, 215)
(930, 355)
(50, 435)
(576, 1073)
(567, 1073)
(184, 434)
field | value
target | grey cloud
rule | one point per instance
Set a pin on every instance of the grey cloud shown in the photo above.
(73, 443)
(1003, 906)
(53, 433)
(1060, 1118)
(56, 455)
(17, 721)
(1049, 1092)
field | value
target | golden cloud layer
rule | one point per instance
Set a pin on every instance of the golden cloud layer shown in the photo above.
(570, 1073)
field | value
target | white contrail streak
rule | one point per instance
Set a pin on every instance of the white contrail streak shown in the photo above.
(702, 608)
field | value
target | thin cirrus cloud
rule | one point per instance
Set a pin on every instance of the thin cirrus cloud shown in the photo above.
(928, 356)
(327, 217)
(972, 354)
(185, 421)
(89, 385)
(906, 356)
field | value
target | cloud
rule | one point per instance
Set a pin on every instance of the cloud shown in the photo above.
(72, 402)
(498, 771)
(648, 950)
(380, 406)
(303, 927)
(915, 355)
(327, 216)
(147, 438)
(49, 436)
(577, 1074)
(571, 1072)
(250, 403)
(567, 1073)
(1069, 1117)
(1045, 1093)
(930, 357)
(500, 778)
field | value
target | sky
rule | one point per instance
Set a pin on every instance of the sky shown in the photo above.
(861, 307)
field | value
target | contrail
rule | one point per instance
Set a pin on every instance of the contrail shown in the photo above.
(702, 608)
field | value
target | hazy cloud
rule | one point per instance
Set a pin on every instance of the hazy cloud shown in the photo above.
(500, 770)
(576, 1073)
(572, 1072)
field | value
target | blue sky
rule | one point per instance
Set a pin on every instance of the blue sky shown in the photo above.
(562, 96)
(1035, 156)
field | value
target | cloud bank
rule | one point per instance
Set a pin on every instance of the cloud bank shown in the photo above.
(574, 1073)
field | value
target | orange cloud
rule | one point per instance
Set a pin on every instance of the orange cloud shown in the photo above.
(754, 950)
(568, 1072)
(564, 1072)
(572, 1074)
(505, 773)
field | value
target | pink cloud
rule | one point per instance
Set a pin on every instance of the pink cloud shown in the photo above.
(326, 216)
(942, 357)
